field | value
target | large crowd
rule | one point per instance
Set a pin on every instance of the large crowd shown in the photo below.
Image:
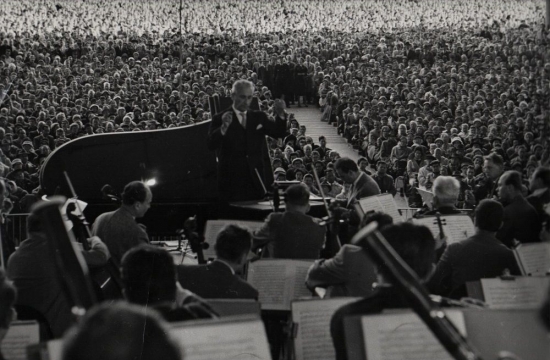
(420, 88)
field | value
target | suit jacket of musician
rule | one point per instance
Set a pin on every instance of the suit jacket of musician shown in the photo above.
(291, 235)
(119, 231)
(241, 152)
(480, 256)
(365, 186)
(214, 281)
(349, 273)
(520, 222)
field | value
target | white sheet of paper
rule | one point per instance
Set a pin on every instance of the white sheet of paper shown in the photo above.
(313, 341)
(210, 340)
(20, 335)
(427, 197)
(522, 292)
(403, 335)
(533, 258)
(384, 203)
(279, 281)
(455, 227)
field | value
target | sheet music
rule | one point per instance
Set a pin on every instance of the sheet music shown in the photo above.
(404, 335)
(313, 341)
(384, 203)
(279, 281)
(522, 292)
(427, 197)
(533, 259)
(20, 335)
(390, 207)
(456, 227)
(208, 340)
(213, 227)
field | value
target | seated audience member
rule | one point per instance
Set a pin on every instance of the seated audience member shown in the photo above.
(415, 245)
(383, 179)
(350, 272)
(292, 234)
(521, 221)
(149, 279)
(478, 257)
(8, 294)
(33, 271)
(219, 278)
(118, 229)
(120, 331)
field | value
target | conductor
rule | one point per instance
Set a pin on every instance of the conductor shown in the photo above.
(237, 134)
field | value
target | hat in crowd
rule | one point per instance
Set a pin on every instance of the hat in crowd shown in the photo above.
(297, 160)
(27, 142)
(16, 161)
(456, 139)
(434, 162)
(279, 170)
(439, 140)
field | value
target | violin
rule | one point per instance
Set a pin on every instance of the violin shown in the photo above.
(332, 220)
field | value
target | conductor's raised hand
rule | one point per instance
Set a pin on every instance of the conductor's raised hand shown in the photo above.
(279, 107)
(227, 118)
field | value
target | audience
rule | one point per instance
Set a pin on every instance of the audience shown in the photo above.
(451, 94)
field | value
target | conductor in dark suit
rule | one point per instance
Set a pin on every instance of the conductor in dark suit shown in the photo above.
(218, 280)
(237, 134)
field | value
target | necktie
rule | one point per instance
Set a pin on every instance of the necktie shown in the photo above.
(243, 119)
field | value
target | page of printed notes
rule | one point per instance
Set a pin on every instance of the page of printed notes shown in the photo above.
(405, 336)
(534, 258)
(521, 292)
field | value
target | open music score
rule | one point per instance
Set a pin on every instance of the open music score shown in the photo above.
(311, 319)
(384, 203)
(533, 258)
(522, 292)
(279, 281)
(233, 338)
(20, 335)
(456, 227)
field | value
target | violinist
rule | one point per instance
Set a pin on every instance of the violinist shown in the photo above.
(118, 229)
(487, 182)
(292, 234)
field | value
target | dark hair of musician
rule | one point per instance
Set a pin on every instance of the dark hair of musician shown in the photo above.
(512, 178)
(381, 218)
(136, 191)
(8, 294)
(232, 242)
(297, 195)
(34, 224)
(148, 275)
(120, 331)
(489, 214)
(415, 244)
(346, 165)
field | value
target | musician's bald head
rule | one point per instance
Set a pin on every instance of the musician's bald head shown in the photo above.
(137, 197)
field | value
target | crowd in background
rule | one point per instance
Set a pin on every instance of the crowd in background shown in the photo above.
(420, 88)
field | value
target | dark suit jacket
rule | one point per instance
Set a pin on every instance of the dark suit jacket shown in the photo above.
(478, 257)
(520, 222)
(291, 235)
(349, 273)
(365, 187)
(214, 281)
(240, 151)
